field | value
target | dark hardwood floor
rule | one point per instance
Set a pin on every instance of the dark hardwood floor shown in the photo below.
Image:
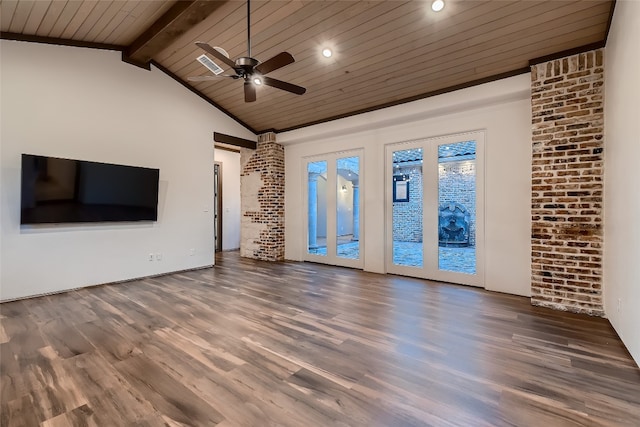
(250, 343)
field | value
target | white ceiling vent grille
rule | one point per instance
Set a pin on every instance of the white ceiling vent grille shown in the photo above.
(207, 62)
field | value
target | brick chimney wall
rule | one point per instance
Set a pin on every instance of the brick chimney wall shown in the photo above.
(262, 200)
(567, 100)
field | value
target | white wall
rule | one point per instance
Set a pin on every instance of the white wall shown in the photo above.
(231, 213)
(87, 104)
(501, 108)
(622, 175)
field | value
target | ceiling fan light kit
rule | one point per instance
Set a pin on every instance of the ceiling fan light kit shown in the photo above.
(252, 71)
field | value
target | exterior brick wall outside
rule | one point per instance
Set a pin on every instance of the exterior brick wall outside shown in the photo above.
(567, 183)
(407, 216)
(262, 204)
(457, 184)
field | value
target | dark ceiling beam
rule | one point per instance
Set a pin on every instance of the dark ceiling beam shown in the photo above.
(181, 17)
(234, 140)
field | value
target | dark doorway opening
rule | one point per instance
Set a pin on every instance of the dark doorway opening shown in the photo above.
(217, 215)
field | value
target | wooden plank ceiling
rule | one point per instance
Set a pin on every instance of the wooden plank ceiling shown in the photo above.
(385, 52)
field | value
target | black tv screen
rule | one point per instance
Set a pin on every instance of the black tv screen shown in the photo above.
(65, 191)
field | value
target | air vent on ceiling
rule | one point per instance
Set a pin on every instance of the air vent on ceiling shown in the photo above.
(207, 62)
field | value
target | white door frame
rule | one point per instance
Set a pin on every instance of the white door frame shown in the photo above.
(332, 258)
(430, 269)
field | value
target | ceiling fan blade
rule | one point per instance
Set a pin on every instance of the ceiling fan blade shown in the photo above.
(216, 53)
(249, 92)
(278, 61)
(210, 78)
(289, 87)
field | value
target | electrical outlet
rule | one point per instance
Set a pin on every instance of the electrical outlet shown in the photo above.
(619, 308)
(158, 256)
(150, 257)
(192, 252)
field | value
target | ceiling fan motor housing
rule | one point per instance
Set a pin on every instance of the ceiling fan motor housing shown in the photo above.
(245, 65)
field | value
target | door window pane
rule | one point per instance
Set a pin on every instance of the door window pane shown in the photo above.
(317, 182)
(457, 207)
(407, 207)
(348, 207)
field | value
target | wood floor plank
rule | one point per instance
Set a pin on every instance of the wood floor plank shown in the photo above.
(250, 343)
(174, 401)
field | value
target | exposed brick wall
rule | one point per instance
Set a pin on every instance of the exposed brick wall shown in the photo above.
(567, 173)
(262, 200)
(407, 216)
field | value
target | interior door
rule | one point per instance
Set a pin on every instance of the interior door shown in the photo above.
(333, 220)
(434, 208)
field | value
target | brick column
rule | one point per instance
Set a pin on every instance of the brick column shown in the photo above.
(566, 191)
(262, 200)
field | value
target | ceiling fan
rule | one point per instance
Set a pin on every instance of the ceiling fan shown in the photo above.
(252, 71)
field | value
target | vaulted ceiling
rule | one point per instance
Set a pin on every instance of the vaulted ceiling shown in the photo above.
(385, 52)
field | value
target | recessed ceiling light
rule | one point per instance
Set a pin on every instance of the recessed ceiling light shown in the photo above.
(437, 5)
(326, 52)
(257, 81)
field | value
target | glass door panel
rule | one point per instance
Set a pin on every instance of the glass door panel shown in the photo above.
(407, 208)
(457, 207)
(348, 207)
(333, 219)
(317, 212)
(434, 208)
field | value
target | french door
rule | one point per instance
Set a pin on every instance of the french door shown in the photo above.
(434, 208)
(333, 220)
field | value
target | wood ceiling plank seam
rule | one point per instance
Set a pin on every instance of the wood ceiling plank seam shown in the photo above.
(217, 35)
(230, 90)
(281, 76)
(387, 93)
(67, 14)
(283, 39)
(93, 17)
(104, 20)
(318, 8)
(344, 24)
(7, 8)
(260, 20)
(50, 18)
(35, 17)
(392, 44)
(541, 19)
(146, 16)
(115, 21)
(264, 43)
(579, 38)
(464, 53)
(20, 16)
(195, 34)
(310, 12)
(118, 20)
(130, 23)
(193, 67)
(359, 102)
(497, 45)
(214, 32)
(235, 49)
(80, 16)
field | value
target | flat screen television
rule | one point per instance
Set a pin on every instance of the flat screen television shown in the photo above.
(66, 191)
